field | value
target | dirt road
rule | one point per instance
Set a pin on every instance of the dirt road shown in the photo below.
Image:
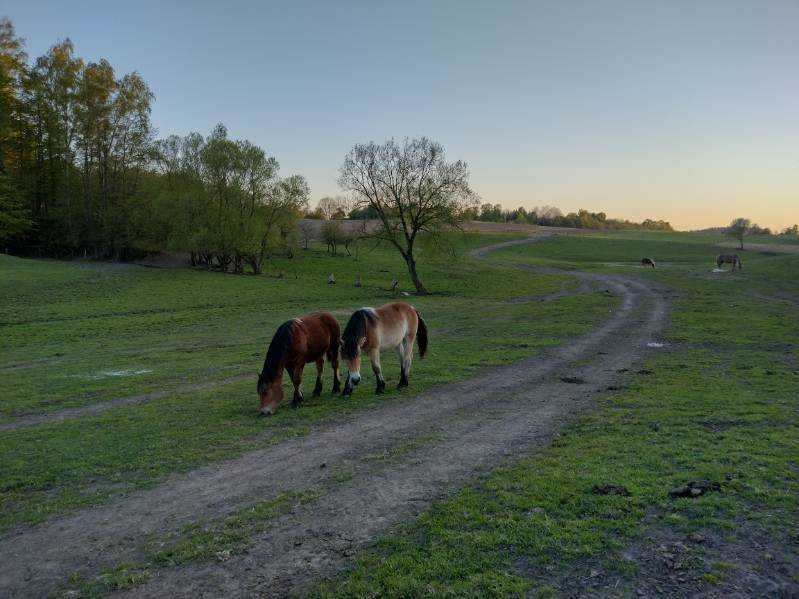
(372, 469)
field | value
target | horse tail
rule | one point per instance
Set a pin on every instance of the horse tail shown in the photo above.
(275, 355)
(421, 334)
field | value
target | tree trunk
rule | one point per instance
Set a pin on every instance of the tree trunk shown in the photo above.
(420, 289)
(255, 262)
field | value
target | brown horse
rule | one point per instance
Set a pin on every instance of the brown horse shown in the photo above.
(393, 326)
(298, 342)
(728, 259)
(648, 262)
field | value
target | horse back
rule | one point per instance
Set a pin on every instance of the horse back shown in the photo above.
(317, 334)
(395, 321)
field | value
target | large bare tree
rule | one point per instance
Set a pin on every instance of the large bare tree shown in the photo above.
(412, 189)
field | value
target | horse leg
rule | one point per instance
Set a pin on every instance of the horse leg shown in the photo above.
(320, 366)
(405, 353)
(296, 378)
(403, 382)
(374, 358)
(332, 357)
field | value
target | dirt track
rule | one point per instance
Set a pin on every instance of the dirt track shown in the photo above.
(436, 442)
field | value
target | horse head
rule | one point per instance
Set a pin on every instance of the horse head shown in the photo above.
(270, 393)
(351, 343)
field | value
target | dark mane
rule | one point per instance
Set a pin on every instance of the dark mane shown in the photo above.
(278, 348)
(354, 331)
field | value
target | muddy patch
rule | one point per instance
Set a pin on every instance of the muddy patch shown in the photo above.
(104, 374)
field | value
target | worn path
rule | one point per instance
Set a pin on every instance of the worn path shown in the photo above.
(375, 469)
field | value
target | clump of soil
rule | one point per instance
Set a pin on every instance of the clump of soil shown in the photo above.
(610, 489)
(694, 488)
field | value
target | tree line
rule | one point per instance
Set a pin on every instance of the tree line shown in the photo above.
(81, 172)
(550, 216)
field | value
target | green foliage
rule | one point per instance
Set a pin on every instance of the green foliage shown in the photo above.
(76, 144)
(553, 217)
(224, 200)
(15, 221)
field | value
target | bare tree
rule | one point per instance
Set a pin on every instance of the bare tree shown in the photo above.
(333, 208)
(412, 189)
(738, 229)
(306, 230)
(333, 234)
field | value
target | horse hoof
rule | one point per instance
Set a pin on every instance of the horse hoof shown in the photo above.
(316, 393)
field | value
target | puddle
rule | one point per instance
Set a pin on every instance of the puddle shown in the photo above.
(104, 374)
(719, 270)
(654, 344)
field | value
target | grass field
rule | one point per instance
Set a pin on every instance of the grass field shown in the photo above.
(719, 402)
(76, 334)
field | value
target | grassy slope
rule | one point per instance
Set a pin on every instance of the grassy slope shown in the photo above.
(720, 403)
(66, 326)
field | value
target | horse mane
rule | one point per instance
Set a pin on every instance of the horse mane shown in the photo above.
(278, 348)
(356, 330)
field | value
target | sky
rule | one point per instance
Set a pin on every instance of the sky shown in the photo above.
(675, 110)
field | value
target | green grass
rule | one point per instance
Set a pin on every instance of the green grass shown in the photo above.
(65, 324)
(720, 403)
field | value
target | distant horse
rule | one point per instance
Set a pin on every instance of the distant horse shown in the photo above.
(393, 326)
(728, 259)
(648, 262)
(298, 342)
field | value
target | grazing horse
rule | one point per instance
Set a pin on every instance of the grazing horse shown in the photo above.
(298, 342)
(729, 259)
(393, 326)
(648, 262)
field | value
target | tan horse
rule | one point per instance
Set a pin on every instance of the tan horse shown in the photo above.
(393, 326)
(297, 342)
(728, 259)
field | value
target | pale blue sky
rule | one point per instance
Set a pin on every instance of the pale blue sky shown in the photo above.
(687, 111)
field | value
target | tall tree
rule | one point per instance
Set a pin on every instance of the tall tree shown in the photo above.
(413, 190)
(15, 220)
(13, 66)
(333, 207)
(738, 229)
(51, 109)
